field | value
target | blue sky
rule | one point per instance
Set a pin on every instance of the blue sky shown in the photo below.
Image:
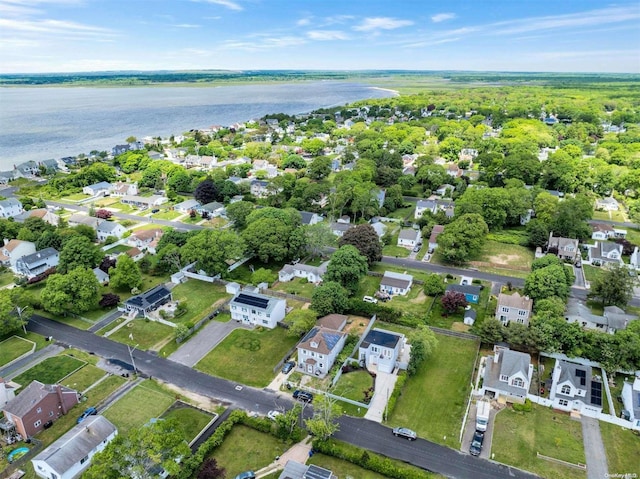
(505, 35)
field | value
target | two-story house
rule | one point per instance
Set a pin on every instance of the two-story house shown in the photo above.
(121, 189)
(318, 350)
(98, 189)
(576, 389)
(425, 205)
(605, 253)
(257, 309)
(313, 274)
(507, 374)
(612, 320)
(38, 404)
(13, 250)
(409, 238)
(564, 248)
(28, 169)
(396, 283)
(110, 228)
(33, 264)
(380, 349)
(71, 454)
(259, 188)
(43, 213)
(10, 208)
(146, 239)
(513, 307)
(631, 400)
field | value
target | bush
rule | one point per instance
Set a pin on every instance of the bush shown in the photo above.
(526, 407)
(42, 276)
(397, 391)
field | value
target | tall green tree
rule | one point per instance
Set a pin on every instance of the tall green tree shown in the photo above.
(613, 286)
(330, 297)
(211, 249)
(346, 267)
(78, 252)
(547, 282)
(423, 344)
(126, 274)
(324, 422)
(74, 292)
(238, 212)
(463, 238)
(300, 321)
(366, 241)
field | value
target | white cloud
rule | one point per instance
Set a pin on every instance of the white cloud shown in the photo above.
(442, 17)
(231, 5)
(265, 43)
(327, 35)
(57, 27)
(381, 23)
(337, 20)
(186, 25)
(303, 22)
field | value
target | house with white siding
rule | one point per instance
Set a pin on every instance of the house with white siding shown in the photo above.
(10, 208)
(257, 309)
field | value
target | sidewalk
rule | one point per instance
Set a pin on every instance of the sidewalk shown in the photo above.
(19, 367)
(298, 452)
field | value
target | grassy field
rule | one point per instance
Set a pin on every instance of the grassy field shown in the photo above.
(434, 400)
(75, 197)
(353, 385)
(394, 250)
(517, 438)
(591, 272)
(83, 378)
(50, 371)
(296, 286)
(622, 447)
(167, 215)
(138, 406)
(191, 419)
(248, 356)
(415, 302)
(6, 277)
(440, 318)
(12, 348)
(199, 296)
(146, 334)
(506, 256)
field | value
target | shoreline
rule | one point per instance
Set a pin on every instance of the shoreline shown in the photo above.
(395, 92)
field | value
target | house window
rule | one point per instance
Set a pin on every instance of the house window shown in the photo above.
(39, 410)
(505, 309)
(37, 423)
(521, 320)
(50, 413)
(264, 321)
(563, 402)
(518, 382)
(566, 389)
(84, 459)
(321, 365)
(522, 312)
(504, 377)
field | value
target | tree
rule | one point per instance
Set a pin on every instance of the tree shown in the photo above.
(138, 453)
(211, 470)
(263, 275)
(453, 300)
(126, 274)
(346, 267)
(287, 422)
(300, 321)
(293, 161)
(77, 252)
(434, 285)
(537, 232)
(319, 168)
(238, 212)
(317, 238)
(273, 234)
(462, 238)
(491, 331)
(423, 344)
(103, 214)
(330, 297)
(366, 240)
(9, 320)
(547, 282)
(109, 300)
(206, 192)
(86, 231)
(74, 292)
(169, 259)
(613, 286)
(211, 249)
(324, 422)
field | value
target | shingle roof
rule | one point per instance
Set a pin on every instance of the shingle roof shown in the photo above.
(396, 280)
(408, 234)
(149, 298)
(324, 339)
(30, 396)
(464, 288)
(38, 255)
(515, 301)
(382, 338)
(333, 321)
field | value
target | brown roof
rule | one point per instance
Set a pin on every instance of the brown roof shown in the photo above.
(144, 235)
(437, 229)
(133, 252)
(13, 244)
(319, 336)
(333, 321)
(38, 213)
(602, 227)
(515, 301)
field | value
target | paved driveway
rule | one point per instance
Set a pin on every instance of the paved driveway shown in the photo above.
(385, 383)
(207, 338)
(597, 467)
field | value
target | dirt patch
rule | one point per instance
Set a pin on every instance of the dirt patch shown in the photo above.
(460, 327)
(203, 402)
(419, 299)
(306, 306)
(506, 259)
(356, 324)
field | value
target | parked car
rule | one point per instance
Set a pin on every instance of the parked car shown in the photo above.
(246, 475)
(288, 366)
(416, 248)
(302, 395)
(369, 299)
(476, 443)
(273, 415)
(155, 210)
(404, 432)
(90, 411)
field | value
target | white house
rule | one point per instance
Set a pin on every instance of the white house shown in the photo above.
(309, 218)
(408, 237)
(613, 318)
(187, 206)
(146, 239)
(381, 348)
(433, 239)
(10, 208)
(513, 307)
(7, 391)
(121, 189)
(257, 309)
(425, 205)
(607, 204)
(71, 454)
(631, 400)
(42, 213)
(564, 248)
(82, 219)
(396, 283)
(98, 189)
(507, 374)
(318, 350)
(576, 389)
(101, 276)
(313, 274)
(634, 259)
(144, 201)
(603, 232)
(33, 264)
(110, 228)
(13, 250)
(605, 253)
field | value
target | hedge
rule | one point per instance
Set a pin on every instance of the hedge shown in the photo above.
(397, 391)
(383, 313)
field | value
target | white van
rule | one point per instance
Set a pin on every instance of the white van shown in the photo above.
(369, 299)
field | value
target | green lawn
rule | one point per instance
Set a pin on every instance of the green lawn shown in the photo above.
(191, 419)
(167, 215)
(368, 286)
(397, 251)
(247, 449)
(138, 406)
(440, 318)
(434, 400)
(199, 296)
(6, 277)
(402, 213)
(76, 197)
(85, 377)
(248, 356)
(146, 334)
(121, 248)
(343, 468)
(622, 447)
(415, 302)
(12, 348)
(354, 384)
(50, 371)
(616, 391)
(517, 437)
(507, 256)
(296, 286)
(591, 272)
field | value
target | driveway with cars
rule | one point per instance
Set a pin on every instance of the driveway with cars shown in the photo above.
(470, 428)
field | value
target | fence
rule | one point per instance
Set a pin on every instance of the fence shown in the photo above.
(280, 294)
(337, 398)
(455, 334)
(355, 348)
(582, 467)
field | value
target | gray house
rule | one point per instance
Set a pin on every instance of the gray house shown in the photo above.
(148, 301)
(513, 307)
(507, 374)
(110, 228)
(380, 350)
(33, 264)
(318, 350)
(576, 389)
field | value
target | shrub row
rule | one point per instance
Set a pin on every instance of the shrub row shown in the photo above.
(383, 313)
(526, 407)
(397, 391)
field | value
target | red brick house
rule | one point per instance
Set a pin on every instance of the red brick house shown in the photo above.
(36, 405)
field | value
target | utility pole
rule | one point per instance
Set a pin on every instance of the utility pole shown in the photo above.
(133, 362)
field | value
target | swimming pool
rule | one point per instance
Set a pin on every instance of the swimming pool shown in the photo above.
(17, 453)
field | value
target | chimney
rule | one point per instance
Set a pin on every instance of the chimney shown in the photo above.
(6, 241)
(61, 399)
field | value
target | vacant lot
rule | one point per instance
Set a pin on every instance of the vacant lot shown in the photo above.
(296, 286)
(434, 400)
(167, 215)
(623, 448)
(12, 348)
(507, 256)
(191, 419)
(83, 378)
(199, 297)
(248, 356)
(517, 438)
(146, 334)
(50, 371)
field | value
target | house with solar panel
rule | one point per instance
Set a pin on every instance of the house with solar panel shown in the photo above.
(631, 401)
(576, 389)
(148, 301)
(380, 350)
(319, 348)
(257, 309)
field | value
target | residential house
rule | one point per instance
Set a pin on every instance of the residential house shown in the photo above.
(36, 263)
(121, 189)
(471, 291)
(444, 189)
(148, 301)
(631, 401)
(513, 307)
(38, 404)
(425, 205)
(43, 213)
(259, 188)
(453, 171)
(379, 227)
(7, 176)
(565, 248)
(634, 259)
(607, 204)
(7, 391)
(612, 319)
(507, 375)
(110, 228)
(380, 349)
(396, 283)
(71, 454)
(101, 276)
(313, 274)
(604, 232)
(120, 149)
(318, 350)
(146, 239)
(50, 166)
(13, 250)
(468, 154)
(187, 206)
(526, 217)
(144, 201)
(409, 237)
(576, 389)
(28, 169)
(433, 239)
(10, 208)
(134, 253)
(257, 309)
(82, 219)
(214, 209)
(339, 228)
(605, 253)
(98, 189)
(380, 196)
(309, 218)
(296, 470)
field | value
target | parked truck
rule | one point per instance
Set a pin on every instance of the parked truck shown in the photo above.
(482, 415)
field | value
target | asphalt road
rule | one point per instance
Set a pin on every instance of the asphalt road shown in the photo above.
(360, 432)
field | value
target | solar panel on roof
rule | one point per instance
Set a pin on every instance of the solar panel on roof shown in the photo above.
(582, 374)
(261, 303)
(596, 393)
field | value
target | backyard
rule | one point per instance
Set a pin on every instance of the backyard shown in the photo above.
(296, 286)
(434, 400)
(248, 356)
(49, 371)
(518, 436)
(14, 347)
(199, 297)
(354, 384)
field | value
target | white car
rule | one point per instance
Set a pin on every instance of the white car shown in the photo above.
(370, 299)
(273, 415)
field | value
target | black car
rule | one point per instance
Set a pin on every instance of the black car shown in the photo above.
(288, 366)
(302, 395)
(476, 443)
